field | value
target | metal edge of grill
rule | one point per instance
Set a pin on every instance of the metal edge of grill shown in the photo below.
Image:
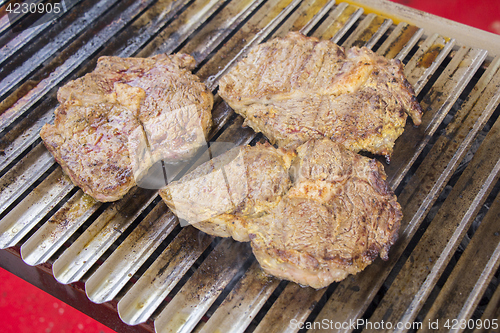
(132, 256)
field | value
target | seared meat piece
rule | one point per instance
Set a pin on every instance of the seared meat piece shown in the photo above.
(298, 88)
(336, 218)
(338, 215)
(91, 145)
(114, 123)
(220, 194)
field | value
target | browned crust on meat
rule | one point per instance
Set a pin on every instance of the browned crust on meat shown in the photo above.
(114, 123)
(98, 160)
(220, 195)
(298, 88)
(337, 215)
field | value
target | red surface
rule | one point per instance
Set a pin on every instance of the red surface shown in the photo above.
(482, 14)
(25, 308)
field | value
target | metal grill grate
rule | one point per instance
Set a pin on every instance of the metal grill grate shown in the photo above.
(134, 255)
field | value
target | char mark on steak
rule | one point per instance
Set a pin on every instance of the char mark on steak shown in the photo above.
(114, 123)
(313, 216)
(298, 88)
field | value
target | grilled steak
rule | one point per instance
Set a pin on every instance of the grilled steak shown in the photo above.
(114, 123)
(336, 216)
(298, 88)
(219, 195)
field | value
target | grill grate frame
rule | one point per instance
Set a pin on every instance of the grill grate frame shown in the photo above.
(133, 255)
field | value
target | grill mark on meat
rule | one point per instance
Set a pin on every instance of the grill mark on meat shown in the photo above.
(247, 191)
(335, 214)
(114, 123)
(298, 88)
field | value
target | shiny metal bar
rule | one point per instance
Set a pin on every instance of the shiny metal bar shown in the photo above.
(294, 304)
(379, 34)
(96, 239)
(367, 30)
(445, 91)
(339, 21)
(346, 26)
(400, 42)
(25, 215)
(492, 311)
(212, 34)
(123, 263)
(189, 305)
(144, 297)
(6, 22)
(24, 37)
(317, 17)
(427, 59)
(243, 302)
(413, 284)
(18, 179)
(44, 243)
(471, 276)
